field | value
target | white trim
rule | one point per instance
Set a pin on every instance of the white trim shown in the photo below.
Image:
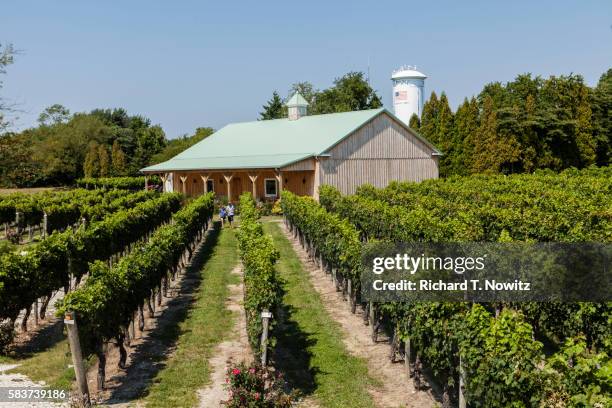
(275, 187)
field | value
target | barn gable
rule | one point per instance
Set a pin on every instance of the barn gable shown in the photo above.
(381, 151)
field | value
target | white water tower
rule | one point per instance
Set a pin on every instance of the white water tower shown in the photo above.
(408, 92)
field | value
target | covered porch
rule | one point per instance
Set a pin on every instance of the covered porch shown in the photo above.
(264, 184)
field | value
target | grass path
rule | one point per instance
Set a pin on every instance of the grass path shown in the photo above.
(208, 323)
(309, 337)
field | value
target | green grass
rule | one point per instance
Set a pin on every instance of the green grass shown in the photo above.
(207, 323)
(312, 337)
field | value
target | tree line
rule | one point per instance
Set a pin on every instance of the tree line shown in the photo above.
(527, 124)
(104, 142)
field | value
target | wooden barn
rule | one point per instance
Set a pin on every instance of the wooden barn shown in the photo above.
(300, 153)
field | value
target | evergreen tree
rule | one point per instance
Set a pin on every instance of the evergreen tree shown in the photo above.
(117, 160)
(483, 138)
(602, 118)
(444, 134)
(91, 166)
(465, 126)
(103, 161)
(274, 109)
(491, 153)
(428, 119)
(415, 122)
(531, 149)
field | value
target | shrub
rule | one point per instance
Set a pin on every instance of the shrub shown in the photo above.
(256, 387)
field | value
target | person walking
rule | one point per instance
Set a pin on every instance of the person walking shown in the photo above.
(230, 213)
(222, 215)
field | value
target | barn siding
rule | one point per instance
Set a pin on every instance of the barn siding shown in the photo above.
(378, 153)
(307, 164)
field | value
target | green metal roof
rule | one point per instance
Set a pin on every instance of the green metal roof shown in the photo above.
(297, 100)
(268, 143)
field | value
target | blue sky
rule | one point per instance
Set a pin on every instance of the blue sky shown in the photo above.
(186, 64)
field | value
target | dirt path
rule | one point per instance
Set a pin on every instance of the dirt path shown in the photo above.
(232, 351)
(21, 381)
(396, 390)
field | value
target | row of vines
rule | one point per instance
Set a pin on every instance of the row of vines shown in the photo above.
(127, 183)
(496, 351)
(111, 301)
(64, 257)
(59, 210)
(262, 288)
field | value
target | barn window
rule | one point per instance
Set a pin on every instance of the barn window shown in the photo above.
(270, 187)
(210, 185)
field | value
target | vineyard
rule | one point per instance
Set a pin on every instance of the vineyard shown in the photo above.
(109, 257)
(61, 259)
(491, 354)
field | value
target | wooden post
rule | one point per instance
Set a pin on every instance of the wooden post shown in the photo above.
(279, 178)
(133, 326)
(45, 225)
(77, 358)
(163, 178)
(146, 182)
(350, 290)
(205, 181)
(253, 178)
(17, 225)
(407, 357)
(373, 322)
(462, 402)
(184, 183)
(265, 316)
(228, 179)
(36, 312)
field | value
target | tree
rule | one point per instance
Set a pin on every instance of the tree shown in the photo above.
(350, 92)
(91, 166)
(150, 141)
(491, 154)
(117, 160)
(415, 122)
(444, 134)
(601, 107)
(429, 119)
(53, 115)
(7, 53)
(103, 161)
(465, 127)
(17, 169)
(566, 117)
(274, 109)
